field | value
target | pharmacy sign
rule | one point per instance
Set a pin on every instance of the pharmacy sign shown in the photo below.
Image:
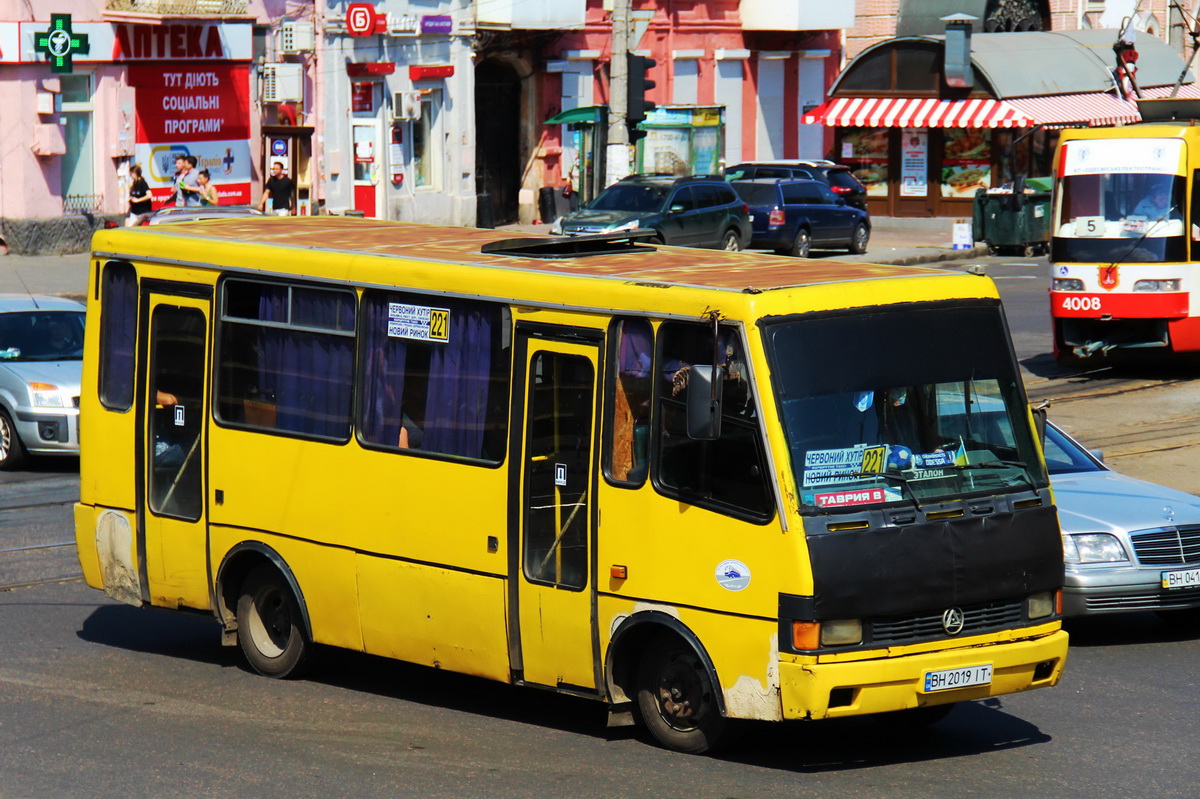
(60, 43)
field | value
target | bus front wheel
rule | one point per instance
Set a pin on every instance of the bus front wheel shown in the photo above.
(677, 700)
(270, 628)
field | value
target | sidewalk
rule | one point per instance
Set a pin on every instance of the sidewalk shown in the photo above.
(893, 241)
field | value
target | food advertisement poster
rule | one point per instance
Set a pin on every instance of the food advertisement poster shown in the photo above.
(914, 162)
(967, 164)
(865, 151)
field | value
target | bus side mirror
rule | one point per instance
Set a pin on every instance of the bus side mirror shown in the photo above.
(703, 405)
(1039, 421)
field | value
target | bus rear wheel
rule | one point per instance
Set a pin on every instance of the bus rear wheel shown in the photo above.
(677, 700)
(270, 628)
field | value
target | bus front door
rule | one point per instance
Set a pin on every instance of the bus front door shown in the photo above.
(172, 535)
(553, 638)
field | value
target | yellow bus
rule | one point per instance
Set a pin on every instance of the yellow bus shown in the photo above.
(696, 486)
(1125, 236)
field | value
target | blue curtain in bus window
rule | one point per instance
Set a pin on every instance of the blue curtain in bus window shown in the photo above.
(458, 386)
(118, 326)
(383, 377)
(309, 373)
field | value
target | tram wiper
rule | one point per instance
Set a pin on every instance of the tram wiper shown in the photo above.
(904, 482)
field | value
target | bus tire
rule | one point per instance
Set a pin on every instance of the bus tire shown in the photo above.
(12, 451)
(270, 628)
(676, 698)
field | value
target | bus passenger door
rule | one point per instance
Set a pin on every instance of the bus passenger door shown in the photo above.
(172, 534)
(553, 640)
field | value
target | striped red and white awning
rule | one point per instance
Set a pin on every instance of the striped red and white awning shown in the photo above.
(929, 112)
(1059, 110)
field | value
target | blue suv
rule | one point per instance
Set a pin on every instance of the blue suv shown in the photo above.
(792, 216)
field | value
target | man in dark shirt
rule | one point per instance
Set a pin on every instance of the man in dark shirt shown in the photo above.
(279, 190)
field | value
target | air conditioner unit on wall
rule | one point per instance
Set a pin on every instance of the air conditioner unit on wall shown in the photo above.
(297, 37)
(282, 83)
(407, 105)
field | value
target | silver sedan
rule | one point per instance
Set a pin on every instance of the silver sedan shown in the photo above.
(1129, 545)
(41, 356)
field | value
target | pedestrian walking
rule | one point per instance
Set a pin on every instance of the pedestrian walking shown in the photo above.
(140, 203)
(280, 190)
(208, 192)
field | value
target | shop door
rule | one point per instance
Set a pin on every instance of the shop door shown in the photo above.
(554, 472)
(171, 507)
(912, 185)
(366, 138)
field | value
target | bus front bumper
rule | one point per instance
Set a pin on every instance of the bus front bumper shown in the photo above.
(852, 688)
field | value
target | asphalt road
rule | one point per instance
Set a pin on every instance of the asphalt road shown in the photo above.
(100, 699)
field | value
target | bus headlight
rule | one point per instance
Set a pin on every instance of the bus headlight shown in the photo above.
(1039, 605)
(1067, 284)
(1157, 285)
(841, 632)
(45, 395)
(1092, 548)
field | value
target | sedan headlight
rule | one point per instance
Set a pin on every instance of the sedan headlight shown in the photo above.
(45, 395)
(632, 224)
(1093, 548)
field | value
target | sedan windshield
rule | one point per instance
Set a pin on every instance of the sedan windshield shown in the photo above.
(902, 405)
(1064, 456)
(629, 197)
(41, 336)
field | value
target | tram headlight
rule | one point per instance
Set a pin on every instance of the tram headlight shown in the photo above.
(1068, 284)
(1157, 285)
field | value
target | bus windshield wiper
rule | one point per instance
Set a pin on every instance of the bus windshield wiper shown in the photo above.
(999, 463)
(903, 482)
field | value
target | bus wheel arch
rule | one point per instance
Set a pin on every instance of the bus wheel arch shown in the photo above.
(649, 647)
(253, 573)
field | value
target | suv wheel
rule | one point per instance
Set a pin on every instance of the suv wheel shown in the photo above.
(731, 242)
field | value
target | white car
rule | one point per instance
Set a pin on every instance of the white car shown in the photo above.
(41, 357)
(1129, 545)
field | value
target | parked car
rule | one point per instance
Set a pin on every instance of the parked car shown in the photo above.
(695, 211)
(180, 213)
(1129, 545)
(41, 356)
(839, 178)
(792, 216)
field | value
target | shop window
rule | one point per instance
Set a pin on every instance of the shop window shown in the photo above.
(872, 72)
(434, 375)
(966, 162)
(427, 142)
(865, 151)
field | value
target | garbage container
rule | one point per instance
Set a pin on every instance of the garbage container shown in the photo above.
(1016, 223)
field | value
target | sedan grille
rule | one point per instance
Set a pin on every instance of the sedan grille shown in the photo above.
(1170, 546)
(928, 626)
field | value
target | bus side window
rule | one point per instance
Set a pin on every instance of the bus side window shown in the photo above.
(434, 375)
(286, 358)
(118, 331)
(1195, 224)
(728, 475)
(629, 428)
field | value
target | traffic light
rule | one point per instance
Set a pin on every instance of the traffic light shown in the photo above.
(638, 68)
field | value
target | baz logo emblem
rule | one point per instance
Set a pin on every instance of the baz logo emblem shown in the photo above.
(953, 621)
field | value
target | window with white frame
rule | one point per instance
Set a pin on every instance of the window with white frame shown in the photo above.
(427, 151)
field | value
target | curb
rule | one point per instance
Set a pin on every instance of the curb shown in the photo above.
(937, 257)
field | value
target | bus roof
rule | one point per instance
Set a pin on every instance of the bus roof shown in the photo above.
(711, 269)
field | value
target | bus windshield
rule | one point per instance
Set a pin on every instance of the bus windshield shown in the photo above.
(902, 406)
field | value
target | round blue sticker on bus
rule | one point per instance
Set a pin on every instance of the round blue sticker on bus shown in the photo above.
(733, 575)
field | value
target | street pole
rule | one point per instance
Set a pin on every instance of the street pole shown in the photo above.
(617, 153)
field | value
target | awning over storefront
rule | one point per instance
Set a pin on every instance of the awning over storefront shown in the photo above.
(1059, 110)
(900, 112)
(589, 113)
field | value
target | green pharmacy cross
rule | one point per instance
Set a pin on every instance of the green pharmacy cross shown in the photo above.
(60, 43)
